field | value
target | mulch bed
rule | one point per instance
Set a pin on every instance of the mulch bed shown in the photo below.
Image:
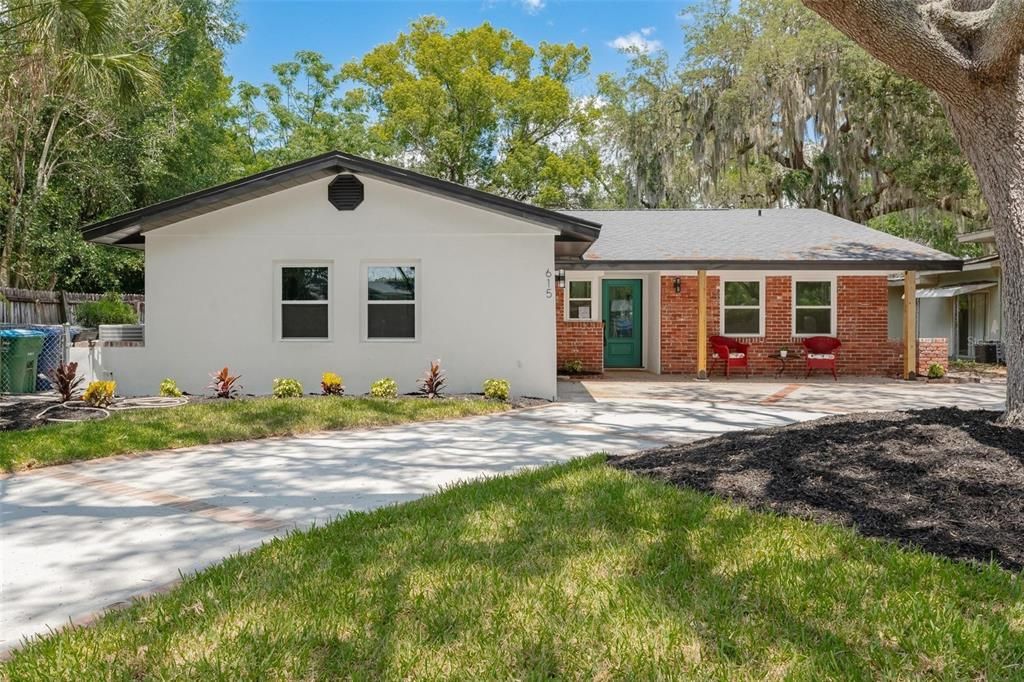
(946, 480)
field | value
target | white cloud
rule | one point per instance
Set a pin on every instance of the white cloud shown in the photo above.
(637, 41)
(532, 6)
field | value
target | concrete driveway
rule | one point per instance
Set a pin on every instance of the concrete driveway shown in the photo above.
(80, 538)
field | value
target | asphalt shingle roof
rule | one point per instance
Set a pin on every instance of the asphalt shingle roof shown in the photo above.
(743, 235)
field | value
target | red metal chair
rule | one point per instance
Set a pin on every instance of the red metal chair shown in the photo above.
(820, 352)
(730, 352)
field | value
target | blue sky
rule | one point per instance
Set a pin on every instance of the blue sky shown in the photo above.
(344, 29)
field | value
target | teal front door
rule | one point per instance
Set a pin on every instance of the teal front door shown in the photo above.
(623, 323)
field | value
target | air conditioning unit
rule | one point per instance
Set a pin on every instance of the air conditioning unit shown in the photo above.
(123, 332)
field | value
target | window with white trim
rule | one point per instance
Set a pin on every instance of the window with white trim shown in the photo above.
(390, 302)
(581, 300)
(813, 307)
(741, 308)
(305, 301)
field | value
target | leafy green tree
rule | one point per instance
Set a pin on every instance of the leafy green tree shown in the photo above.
(642, 131)
(481, 107)
(772, 106)
(304, 113)
(72, 59)
(127, 104)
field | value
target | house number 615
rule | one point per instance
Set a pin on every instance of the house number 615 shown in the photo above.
(548, 294)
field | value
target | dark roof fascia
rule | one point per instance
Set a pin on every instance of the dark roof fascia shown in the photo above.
(845, 265)
(324, 163)
(571, 228)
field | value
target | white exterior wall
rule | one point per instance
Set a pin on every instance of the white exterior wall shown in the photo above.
(481, 285)
(936, 317)
(653, 322)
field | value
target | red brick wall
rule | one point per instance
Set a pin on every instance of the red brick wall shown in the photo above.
(862, 319)
(931, 351)
(578, 339)
(678, 328)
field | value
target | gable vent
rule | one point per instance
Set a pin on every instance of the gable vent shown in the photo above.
(345, 192)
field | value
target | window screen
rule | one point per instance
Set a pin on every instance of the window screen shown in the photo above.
(812, 308)
(741, 309)
(391, 302)
(581, 302)
(305, 302)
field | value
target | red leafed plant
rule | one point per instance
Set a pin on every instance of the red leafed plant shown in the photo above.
(223, 384)
(65, 380)
(433, 381)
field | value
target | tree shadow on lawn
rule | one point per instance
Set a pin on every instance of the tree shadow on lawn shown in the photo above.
(947, 480)
(572, 571)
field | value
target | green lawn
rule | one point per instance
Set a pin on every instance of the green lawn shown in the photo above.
(218, 422)
(576, 571)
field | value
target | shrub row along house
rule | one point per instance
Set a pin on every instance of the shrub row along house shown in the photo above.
(342, 263)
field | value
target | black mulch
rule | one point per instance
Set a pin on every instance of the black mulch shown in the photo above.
(947, 480)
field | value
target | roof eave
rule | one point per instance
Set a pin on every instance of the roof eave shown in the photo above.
(569, 227)
(711, 264)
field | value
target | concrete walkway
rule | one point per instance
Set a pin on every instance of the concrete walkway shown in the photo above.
(80, 538)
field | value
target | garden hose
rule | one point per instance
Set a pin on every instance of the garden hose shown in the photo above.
(123, 404)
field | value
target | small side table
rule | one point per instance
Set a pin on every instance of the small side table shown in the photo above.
(783, 359)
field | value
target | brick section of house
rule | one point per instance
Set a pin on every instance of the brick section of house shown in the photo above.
(678, 314)
(862, 319)
(578, 339)
(932, 351)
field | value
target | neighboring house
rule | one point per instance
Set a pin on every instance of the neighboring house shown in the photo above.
(963, 306)
(344, 264)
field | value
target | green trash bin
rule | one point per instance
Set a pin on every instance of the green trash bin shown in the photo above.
(19, 357)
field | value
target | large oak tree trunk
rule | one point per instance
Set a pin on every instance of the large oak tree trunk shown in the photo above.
(989, 123)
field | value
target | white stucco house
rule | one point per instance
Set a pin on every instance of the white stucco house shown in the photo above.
(343, 264)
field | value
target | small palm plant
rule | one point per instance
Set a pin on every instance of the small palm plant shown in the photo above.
(433, 381)
(223, 384)
(65, 380)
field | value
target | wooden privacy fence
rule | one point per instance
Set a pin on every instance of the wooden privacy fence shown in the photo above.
(25, 306)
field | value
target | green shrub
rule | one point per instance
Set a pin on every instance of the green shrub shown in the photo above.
(287, 388)
(99, 393)
(497, 389)
(574, 366)
(108, 310)
(169, 389)
(936, 371)
(384, 388)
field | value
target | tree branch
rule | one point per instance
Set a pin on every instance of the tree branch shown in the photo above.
(1001, 38)
(895, 32)
(942, 43)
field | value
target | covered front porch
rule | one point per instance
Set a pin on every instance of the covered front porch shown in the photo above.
(660, 321)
